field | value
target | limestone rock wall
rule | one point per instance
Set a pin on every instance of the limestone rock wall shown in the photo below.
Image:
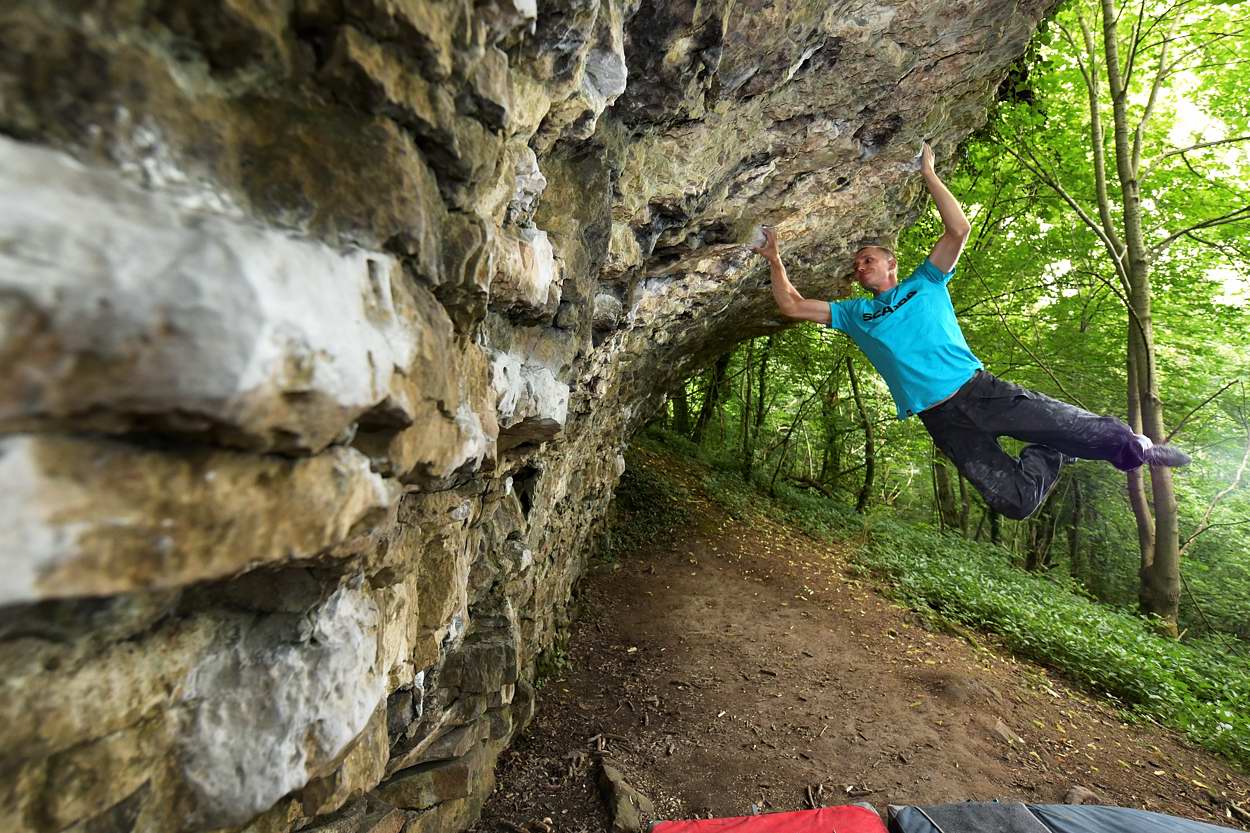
(323, 325)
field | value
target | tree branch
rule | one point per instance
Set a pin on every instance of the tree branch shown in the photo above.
(1201, 145)
(1234, 216)
(1098, 140)
(1230, 250)
(1024, 346)
(1162, 18)
(1206, 42)
(1132, 313)
(1135, 162)
(1134, 45)
(1195, 410)
(1009, 293)
(1205, 524)
(1036, 169)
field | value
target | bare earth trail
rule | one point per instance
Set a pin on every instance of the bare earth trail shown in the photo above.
(734, 662)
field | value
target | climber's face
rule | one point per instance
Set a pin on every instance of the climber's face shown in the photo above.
(876, 270)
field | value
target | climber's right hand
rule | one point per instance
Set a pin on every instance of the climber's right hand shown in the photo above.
(769, 249)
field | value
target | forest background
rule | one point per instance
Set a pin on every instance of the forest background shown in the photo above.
(1109, 266)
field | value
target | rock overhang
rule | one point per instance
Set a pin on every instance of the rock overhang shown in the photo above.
(347, 313)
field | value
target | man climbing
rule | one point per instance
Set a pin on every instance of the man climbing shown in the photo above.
(909, 333)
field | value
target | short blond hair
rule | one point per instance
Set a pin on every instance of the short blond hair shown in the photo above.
(889, 252)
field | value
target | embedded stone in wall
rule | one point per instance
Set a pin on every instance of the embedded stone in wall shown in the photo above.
(529, 187)
(96, 775)
(528, 278)
(424, 786)
(266, 714)
(533, 404)
(596, 69)
(606, 74)
(463, 149)
(608, 311)
(128, 311)
(94, 517)
(452, 430)
(362, 768)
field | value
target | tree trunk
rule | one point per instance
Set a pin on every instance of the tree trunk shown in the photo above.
(1137, 478)
(829, 458)
(761, 398)
(796, 424)
(1076, 564)
(948, 512)
(681, 410)
(1160, 578)
(1041, 537)
(748, 453)
(861, 502)
(711, 397)
(965, 505)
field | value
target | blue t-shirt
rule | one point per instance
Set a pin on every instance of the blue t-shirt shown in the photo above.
(910, 335)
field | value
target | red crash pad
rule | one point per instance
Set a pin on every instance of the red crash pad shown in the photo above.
(849, 818)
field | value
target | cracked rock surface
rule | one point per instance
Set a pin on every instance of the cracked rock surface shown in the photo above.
(323, 326)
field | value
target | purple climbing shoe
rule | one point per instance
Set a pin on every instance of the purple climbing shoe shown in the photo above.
(1166, 455)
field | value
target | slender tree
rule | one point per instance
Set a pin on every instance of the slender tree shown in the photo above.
(861, 501)
(747, 459)
(1076, 564)
(681, 410)
(1129, 57)
(711, 397)
(948, 510)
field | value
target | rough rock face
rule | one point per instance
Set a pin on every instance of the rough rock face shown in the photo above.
(323, 325)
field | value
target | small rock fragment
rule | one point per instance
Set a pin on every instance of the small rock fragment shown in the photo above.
(629, 809)
(1081, 795)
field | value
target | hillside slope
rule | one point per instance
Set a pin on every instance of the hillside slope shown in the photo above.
(725, 661)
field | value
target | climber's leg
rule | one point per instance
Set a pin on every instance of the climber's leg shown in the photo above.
(1002, 408)
(1012, 487)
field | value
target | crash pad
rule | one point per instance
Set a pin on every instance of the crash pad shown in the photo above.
(849, 818)
(1015, 817)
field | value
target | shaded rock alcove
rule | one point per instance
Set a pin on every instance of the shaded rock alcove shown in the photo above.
(323, 326)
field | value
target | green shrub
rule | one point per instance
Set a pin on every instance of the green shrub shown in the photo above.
(1192, 688)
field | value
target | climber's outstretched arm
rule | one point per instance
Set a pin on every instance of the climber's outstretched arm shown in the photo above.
(789, 301)
(951, 243)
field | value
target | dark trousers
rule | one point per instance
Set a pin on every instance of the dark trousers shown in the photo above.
(967, 426)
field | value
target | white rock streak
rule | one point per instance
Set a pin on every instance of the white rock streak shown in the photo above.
(29, 543)
(264, 718)
(185, 311)
(527, 391)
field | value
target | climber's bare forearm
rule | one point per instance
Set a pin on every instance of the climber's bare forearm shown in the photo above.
(784, 292)
(955, 224)
(952, 214)
(791, 303)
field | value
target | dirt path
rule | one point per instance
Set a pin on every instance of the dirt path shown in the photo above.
(733, 663)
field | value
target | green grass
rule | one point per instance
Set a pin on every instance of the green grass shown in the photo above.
(1194, 688)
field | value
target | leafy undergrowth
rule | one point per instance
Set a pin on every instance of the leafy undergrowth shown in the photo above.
(646, 502)
(1203, 692)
